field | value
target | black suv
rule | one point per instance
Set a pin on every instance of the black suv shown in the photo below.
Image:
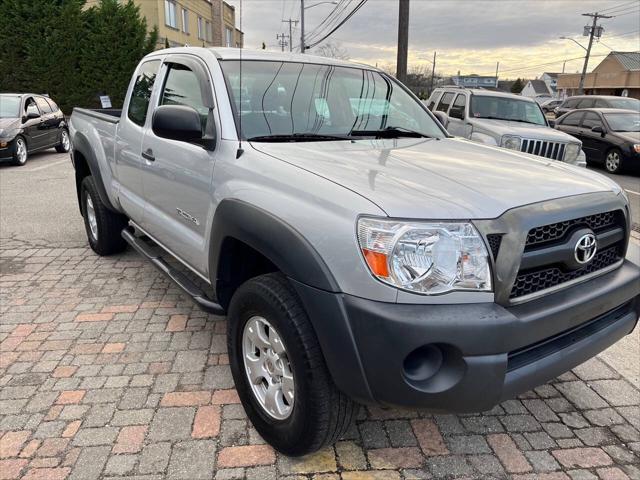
(29, 123)
(596, 101)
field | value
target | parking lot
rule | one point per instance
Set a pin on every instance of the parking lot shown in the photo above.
(107, 371)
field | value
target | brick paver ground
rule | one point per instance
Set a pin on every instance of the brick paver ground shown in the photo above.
(106, 371)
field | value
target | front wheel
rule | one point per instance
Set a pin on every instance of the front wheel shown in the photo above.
(613, 161)
(279, 371)
(103, 226)
(20, 152)
(65, 142)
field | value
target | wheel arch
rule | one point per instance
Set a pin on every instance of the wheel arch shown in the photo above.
(85, 163)
(247, 241)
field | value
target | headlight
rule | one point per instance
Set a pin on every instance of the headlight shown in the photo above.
(636, 148)
(571, 152)
(428, 258)
(510, 142)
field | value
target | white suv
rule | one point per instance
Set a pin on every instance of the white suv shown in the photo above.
(504, 120)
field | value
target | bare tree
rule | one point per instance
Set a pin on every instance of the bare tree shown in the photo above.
(332, 50)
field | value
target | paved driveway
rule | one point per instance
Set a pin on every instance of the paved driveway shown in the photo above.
(107, 371)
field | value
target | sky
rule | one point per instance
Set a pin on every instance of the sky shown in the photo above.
(469, 36)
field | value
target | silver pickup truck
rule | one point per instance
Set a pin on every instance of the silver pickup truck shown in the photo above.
(360, 253)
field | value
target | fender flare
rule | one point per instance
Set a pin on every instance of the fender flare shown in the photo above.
(271, 236)
(82, 145)
(484, 139)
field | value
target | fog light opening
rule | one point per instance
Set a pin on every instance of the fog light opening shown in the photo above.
(423, 363)
(434, 368)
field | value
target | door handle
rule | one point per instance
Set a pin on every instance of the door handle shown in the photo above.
(148, 155)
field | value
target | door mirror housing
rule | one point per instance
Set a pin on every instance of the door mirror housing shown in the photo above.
(597, 129)
(177, 122)
(31, 115)
(442, 117)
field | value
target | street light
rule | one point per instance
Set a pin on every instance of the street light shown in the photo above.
(574, 41)
(302, 9)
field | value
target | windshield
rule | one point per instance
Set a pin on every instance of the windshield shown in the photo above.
(503, 108)
(623, 122)
(9, 106)
(626, 103)
(285, 100)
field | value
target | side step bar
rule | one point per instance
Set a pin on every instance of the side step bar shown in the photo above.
(180, 279)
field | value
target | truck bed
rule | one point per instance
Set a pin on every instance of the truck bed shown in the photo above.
(111, 115)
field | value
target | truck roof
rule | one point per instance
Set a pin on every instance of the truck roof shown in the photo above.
(225, 53)
(488, 93)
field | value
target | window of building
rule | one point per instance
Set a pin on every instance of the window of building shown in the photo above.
(185, 20)
(209, 31)
(228, 37)
(141, 93)
(200, 29)
(170, 14)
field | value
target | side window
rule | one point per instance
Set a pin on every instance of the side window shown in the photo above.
(141, 93)
(591, 120)
(571, 103)
(586, 103)
(43, 105)
(572, 120)
(432, 100)
(182, 87)
(601, 103)
(458, 108)
(445, 102)
(31, 107)
(54, 107)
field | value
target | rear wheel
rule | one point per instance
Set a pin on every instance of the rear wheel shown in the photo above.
(103, 226)
(613, 161)
(65, 142)
(20, 152)
(279, 371)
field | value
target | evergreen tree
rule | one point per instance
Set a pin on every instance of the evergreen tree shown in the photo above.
(517, 86)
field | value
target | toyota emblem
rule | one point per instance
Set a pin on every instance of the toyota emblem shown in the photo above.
(585, 248)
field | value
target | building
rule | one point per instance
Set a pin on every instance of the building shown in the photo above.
(474, 81)
(199, 23)
(618, 74)
(551, 79)
(536, 88)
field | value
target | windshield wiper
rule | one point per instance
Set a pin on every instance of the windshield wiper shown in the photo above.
(297, 137)
(389, 132)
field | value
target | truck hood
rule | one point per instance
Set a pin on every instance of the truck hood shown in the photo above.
(523, 130)
(445, 178)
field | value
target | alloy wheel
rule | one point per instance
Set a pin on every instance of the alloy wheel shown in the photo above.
(91, 218)
(21, 151)
(267, 367)
(613, 161)
(64, 141)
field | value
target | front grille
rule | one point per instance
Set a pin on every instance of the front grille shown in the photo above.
(532, 282)
(553, 150)
(555, 232)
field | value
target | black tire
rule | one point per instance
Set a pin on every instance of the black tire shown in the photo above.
(109, 224)
(608, 163)
(321, 414)
(20, 159)
(61, 148)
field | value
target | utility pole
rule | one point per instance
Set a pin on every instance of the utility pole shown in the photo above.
(433, 72)
(281, 40)
(291, 23)
(497, 67)
(403, 40)
(564, 64)
(593, 31)
(302, 45)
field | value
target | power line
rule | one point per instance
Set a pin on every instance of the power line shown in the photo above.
(353, 12)
(628, 13)
(616, 7)
(330, 19)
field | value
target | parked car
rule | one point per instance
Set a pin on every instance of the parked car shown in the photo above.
(503, 120)
(610, 137)
(29, 123)
(597, 101)
(361, 254)
(550, 105)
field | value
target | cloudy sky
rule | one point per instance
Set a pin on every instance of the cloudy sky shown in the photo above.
(468, 35)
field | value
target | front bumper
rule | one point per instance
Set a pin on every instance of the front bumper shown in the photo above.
(6, 153)
(468, 357)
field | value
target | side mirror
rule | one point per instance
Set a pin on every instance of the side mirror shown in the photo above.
(31, 115)
(597, 129)
(442, 117)
(177, 122)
